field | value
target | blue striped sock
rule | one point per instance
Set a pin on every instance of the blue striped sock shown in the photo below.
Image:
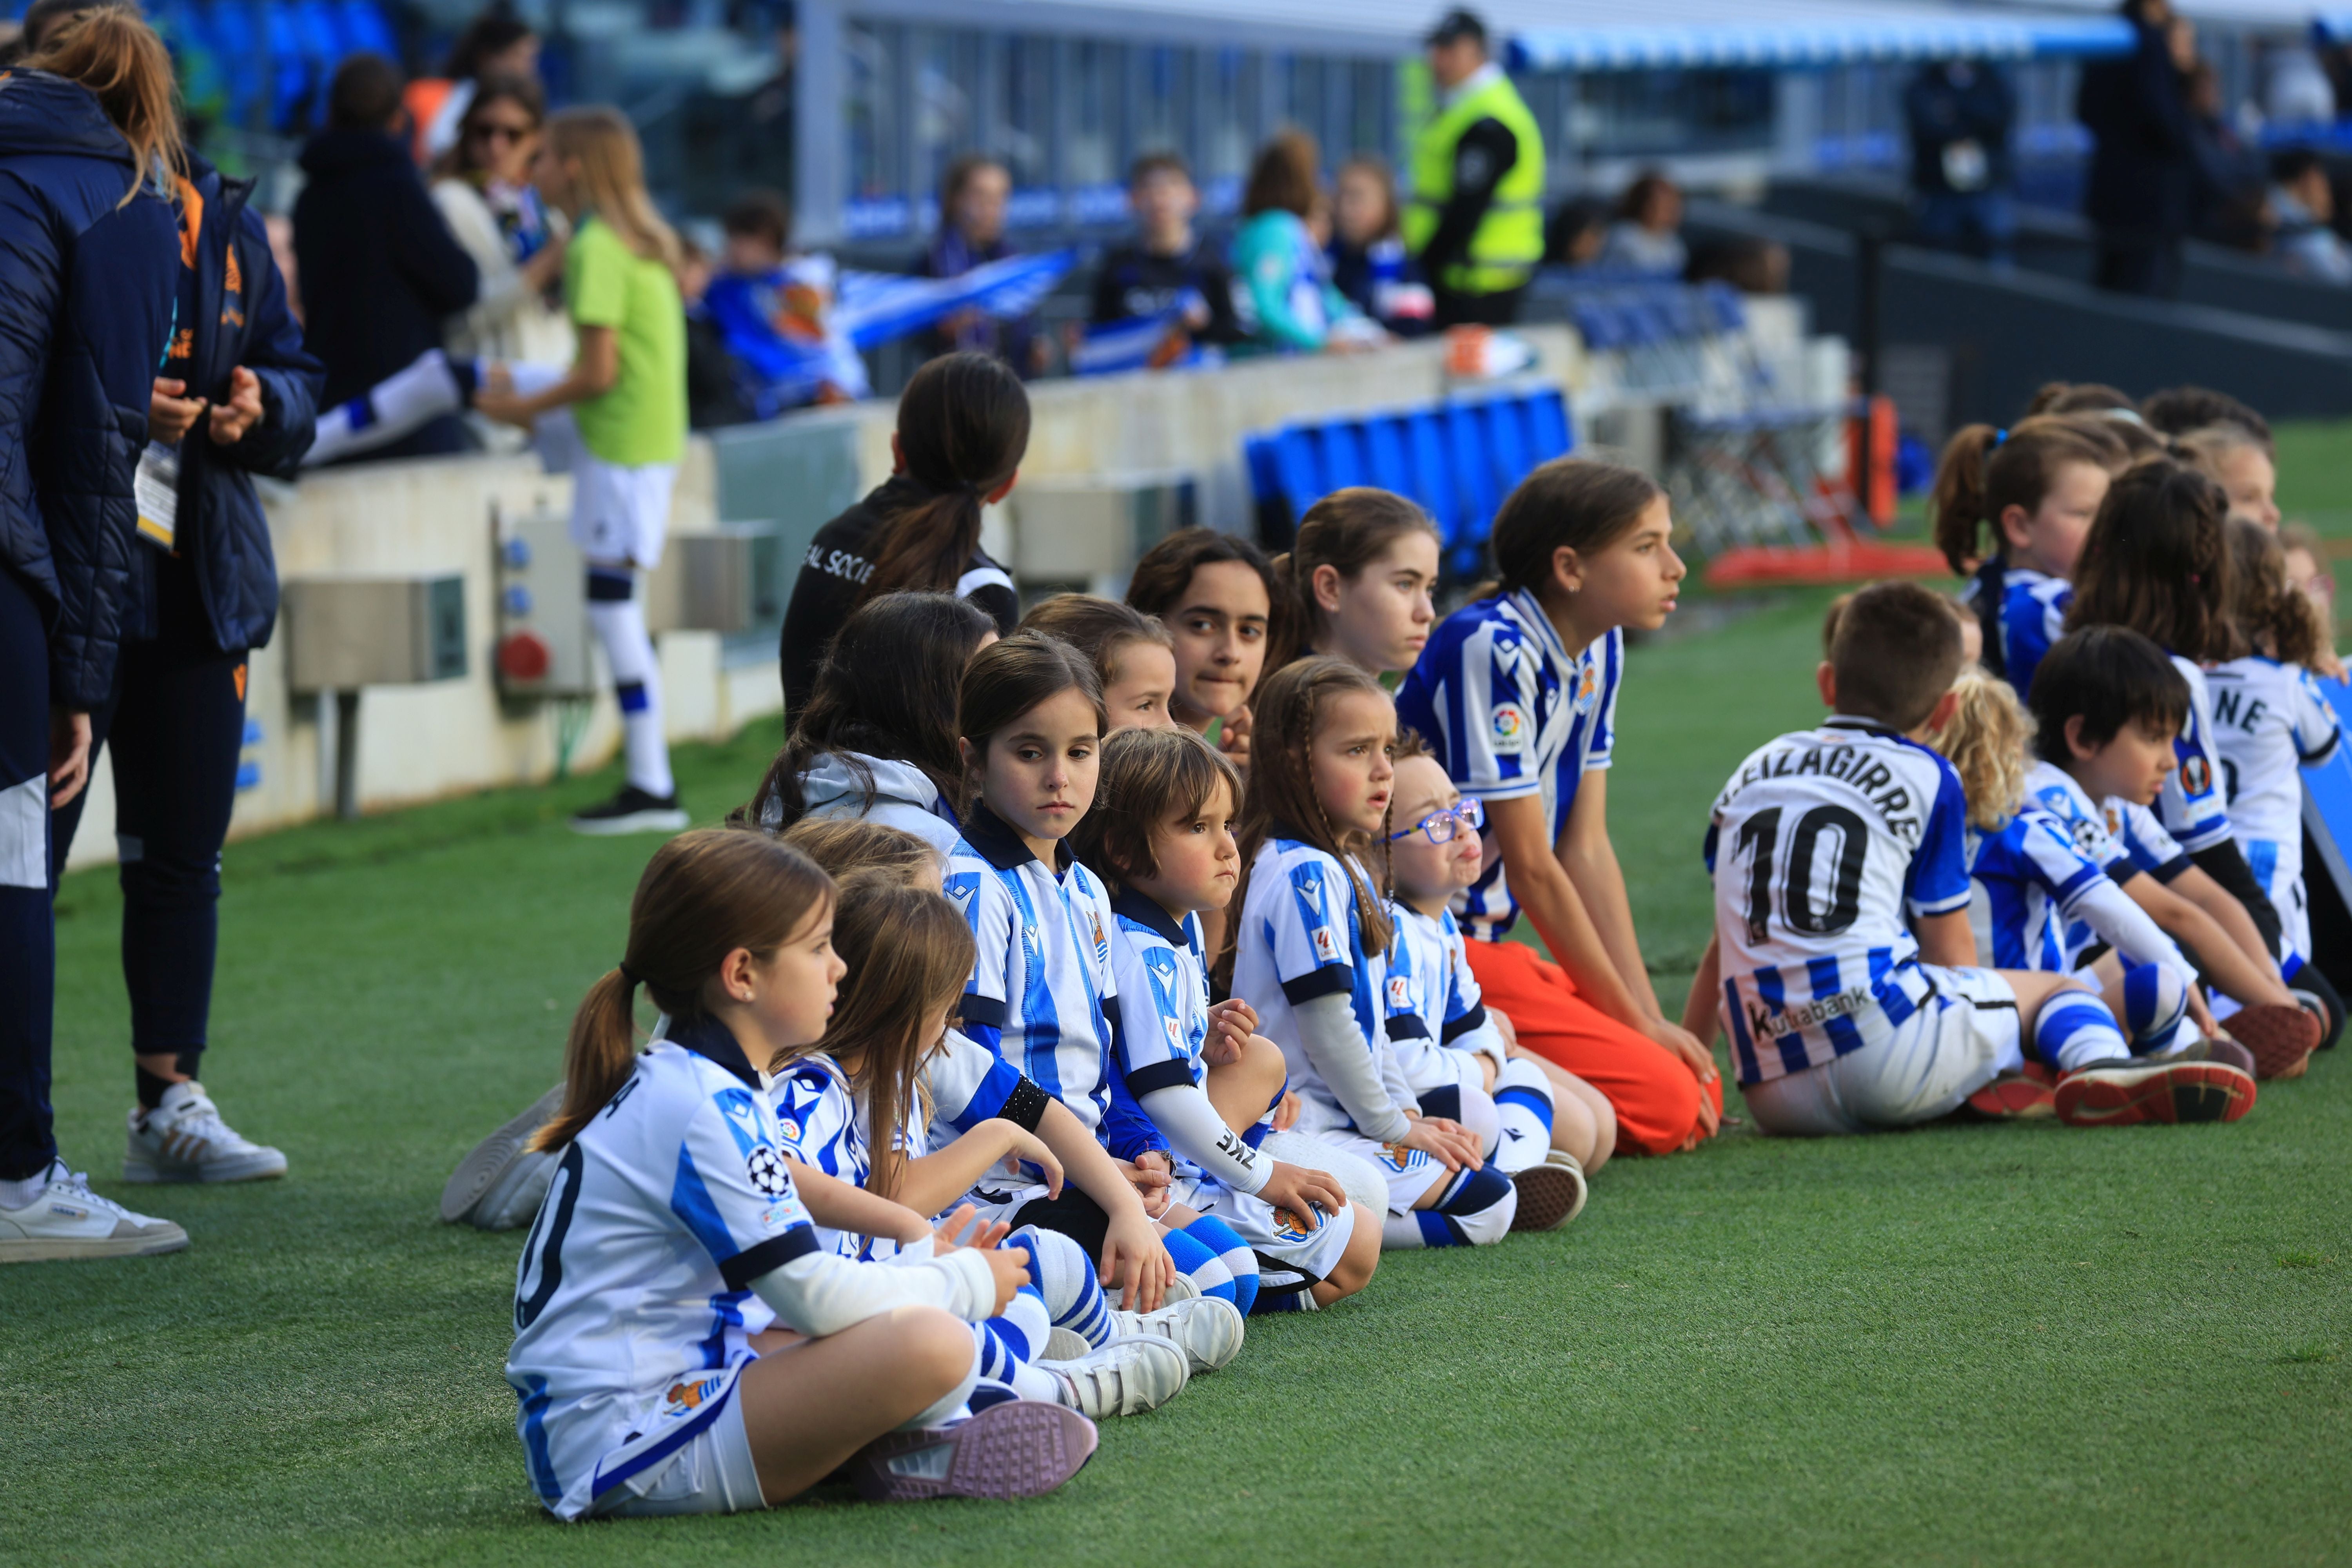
(1200, 1263)
(1240, 1261)
(2074, 1030)
(2155, 1002)
(1065, 1278)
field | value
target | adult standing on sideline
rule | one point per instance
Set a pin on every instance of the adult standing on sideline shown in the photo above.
(963, 429)
(1959, 114)
(237, 396)
(1476, 223)
(484, 192)
(2143, 180)
(86, 308)
(380, 269)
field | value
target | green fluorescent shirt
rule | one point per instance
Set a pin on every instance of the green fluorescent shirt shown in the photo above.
(642, 419)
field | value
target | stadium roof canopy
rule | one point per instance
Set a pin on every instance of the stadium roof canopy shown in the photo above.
(1571, 34)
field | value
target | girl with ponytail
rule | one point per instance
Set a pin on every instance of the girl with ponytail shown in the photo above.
(675, 1253)
(2012, 509)
(963, 429)
(1358, 579)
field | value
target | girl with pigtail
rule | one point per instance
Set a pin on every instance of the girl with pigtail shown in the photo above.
(675, 1255)
(2012, 509)
(1359, 580)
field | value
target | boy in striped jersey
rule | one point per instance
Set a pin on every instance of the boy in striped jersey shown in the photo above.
(1842, 941)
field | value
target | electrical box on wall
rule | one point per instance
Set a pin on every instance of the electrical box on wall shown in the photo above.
(344, 633)
(540, 607)
(731, 579)
(1093, 527)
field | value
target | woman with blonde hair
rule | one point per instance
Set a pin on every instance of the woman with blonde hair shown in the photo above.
(626, 391)
(88, 134)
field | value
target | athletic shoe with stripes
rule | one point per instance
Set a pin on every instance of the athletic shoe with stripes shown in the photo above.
(184, 1139)
(69, 1221)
(491, 1168)
(1550, 1195)
(2281, 1036)
(2125, 1092)
(1022, 1447)
(1207, 1328)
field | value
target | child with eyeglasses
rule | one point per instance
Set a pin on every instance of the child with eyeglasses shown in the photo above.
(1543, 1127)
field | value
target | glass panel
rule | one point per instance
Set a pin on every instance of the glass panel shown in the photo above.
(1371, 109)
(1163, 92)
(1302, 95)
(876, 177)
(1229, 133)
(1637, 113)
(947, 101)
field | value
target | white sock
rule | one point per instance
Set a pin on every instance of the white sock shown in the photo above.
(620, 626)
(401, 403)
(24, 1194)
(1522, 1108)
(950, 1405)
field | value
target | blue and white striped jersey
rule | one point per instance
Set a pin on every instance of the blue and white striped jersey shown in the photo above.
(1433, 1002)
(1298, 939)
(1041, 985)
(2270, 719)
(2194, 804)
(1508, 711)
(968, 1083)
(2121, 838)
(2032, 615)
(1823, 845)
(2028, 877)
(1163, 1002)
(632, 1299)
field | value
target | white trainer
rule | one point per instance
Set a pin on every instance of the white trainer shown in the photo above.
(1207, 1328)
(1065, 1344)
(486, 1182)
(69, 1220)
(185, 1139)
(1123, 1377)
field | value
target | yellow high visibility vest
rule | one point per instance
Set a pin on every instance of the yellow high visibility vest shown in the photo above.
(1508, 241)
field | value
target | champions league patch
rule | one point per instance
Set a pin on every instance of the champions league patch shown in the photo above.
(765, 1169)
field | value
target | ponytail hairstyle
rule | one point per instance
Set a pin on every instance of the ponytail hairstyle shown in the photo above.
(1987, 738)
(613, 179)
(910, 953)
(963, 429)
(1281, 802)
(110, 50)
(1007, 678)
(1100, 629)
(1347, 531)
(2081, 397)
(1148, 776)
(1985, 471)
(2158, 562)
(851, 850)
(887, 689)
(2281, 620)
(703, 895)
(1569, 503)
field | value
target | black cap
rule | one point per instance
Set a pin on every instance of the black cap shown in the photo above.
(1455, 26)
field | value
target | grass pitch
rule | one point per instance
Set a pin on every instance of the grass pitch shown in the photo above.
(2019, 1344)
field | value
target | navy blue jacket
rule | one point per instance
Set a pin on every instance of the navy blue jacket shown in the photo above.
(87, 286)
(2143, 177)
(241, 318)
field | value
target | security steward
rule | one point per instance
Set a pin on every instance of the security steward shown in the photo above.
(1476, 223)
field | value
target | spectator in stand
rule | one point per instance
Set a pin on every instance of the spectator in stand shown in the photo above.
(1285, 296)
(2228, 209)
(380, 268)
(2143, 177)
(495, 44)
(1577, 232)
(1963, 183)
(973, 193)
(1369, 264)
(1749, 263)
(2302, 202)
(714, 389)
(485, 195)
(1647, 233)
(775, 311)
(1167, 270)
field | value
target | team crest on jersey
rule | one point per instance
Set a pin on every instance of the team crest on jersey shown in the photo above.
(765, 1169)
(1509, 725)
(686, 1396)
(1102, 942)
(2196, 775)
(1288, 1226)
(1588, 688)
(1400, 1159)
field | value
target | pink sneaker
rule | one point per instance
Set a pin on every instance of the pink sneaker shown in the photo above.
(1022, 1447)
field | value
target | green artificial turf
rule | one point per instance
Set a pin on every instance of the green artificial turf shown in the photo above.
(1991, 1344)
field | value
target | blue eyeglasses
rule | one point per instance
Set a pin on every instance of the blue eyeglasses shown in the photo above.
(1440, 826)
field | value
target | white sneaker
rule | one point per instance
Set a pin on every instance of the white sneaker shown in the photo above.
(1207, 1328)
(185, 1139)
(69, 1220)
(485, 1179)
(1065, 1344)
(1124, 1377)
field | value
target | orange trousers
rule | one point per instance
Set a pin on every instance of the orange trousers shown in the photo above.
(1653, 1094)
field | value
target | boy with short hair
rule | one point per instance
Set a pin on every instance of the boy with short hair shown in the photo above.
(1842, 938)
(1166, 272)
(774, 311)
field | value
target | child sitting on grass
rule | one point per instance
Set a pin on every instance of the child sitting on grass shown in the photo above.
(1847, 969)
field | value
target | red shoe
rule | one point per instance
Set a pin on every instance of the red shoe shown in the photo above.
(2124, 1092)
(2281, 1036)
(2025, 1095)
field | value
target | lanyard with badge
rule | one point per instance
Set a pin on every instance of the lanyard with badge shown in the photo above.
(155, 488)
